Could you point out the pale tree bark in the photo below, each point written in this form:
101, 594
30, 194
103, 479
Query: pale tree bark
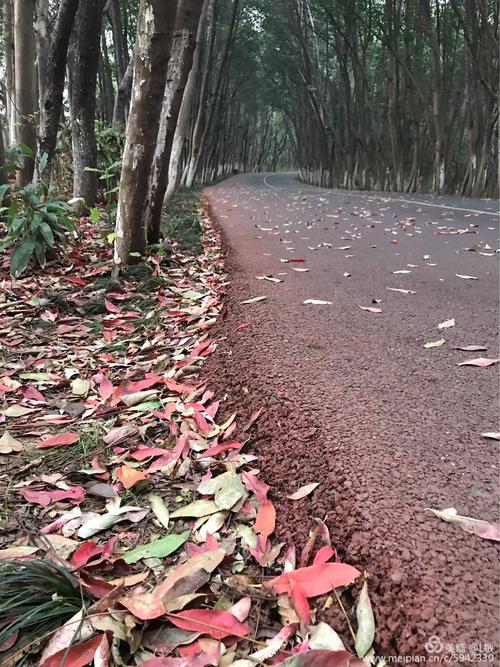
151, 53
52, 101
8, 26
41, 27
186, 110
24, 41
83, 99
119, 39
3, 174
181, 58
122, 99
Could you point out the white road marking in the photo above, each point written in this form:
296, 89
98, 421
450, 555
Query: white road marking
348, 193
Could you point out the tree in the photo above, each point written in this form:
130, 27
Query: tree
152, 49
83, 99
52, 100
181, 58
26, 107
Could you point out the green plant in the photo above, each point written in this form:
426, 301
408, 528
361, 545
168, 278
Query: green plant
37, 596
182, 220
36, 224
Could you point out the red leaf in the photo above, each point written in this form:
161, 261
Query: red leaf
316, 579
266, 519
59, 440
215, 450
217, 624
296, 259
110, 307
105, 389
147, 452
77, 656
255, 485
44, 498
84, 553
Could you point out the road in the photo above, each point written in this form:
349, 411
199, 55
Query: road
353, 400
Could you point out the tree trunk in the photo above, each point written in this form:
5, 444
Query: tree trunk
83, 99
41, 27
122, 99
51, 104
152, 49
181, 58
119, 39
8, 37
24, 39
183, 122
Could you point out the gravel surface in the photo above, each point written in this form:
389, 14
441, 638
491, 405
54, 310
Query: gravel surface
353, 400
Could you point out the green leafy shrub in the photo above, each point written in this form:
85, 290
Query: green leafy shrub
182, 220
36, 225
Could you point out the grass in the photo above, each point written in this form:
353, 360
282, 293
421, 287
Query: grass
182, 220
37, 596
73, 457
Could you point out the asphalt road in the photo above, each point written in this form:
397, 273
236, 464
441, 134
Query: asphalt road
354, 400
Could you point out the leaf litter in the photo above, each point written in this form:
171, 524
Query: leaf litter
104, 379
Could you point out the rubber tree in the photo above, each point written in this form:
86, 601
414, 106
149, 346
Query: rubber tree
25, 82
52, 101
82, 96
153, 43
181, 59
8, 49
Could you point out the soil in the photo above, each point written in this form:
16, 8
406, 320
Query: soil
353, 400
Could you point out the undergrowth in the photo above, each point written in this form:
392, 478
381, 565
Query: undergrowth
182, 220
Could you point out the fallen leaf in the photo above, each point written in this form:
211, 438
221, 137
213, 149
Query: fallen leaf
157, 549
435, 343
269, 279
253, 418
160, 510
491, 435
9, 444
266, 519
181, 580
226, 488
403, 291
299, 270
196, 509
471, 348
458, 275
80, 387
11, 553
16, 411
447, 324
59, 440
317, 302
77, 655
365, 633
303, 491
129, 477
481, 362
402, 271
322, 636
488, 531
371, 309
218, 624
254, 300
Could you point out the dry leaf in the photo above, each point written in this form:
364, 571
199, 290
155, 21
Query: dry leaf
255, 299
9, 444
488, 531
303, 491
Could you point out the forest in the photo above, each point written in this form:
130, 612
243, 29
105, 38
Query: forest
104, 104
154, 508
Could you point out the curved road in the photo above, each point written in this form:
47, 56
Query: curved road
353, 400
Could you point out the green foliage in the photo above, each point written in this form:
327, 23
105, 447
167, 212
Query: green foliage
182, 220
37, 596
36, 224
